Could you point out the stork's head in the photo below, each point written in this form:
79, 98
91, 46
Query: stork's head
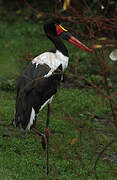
54, 29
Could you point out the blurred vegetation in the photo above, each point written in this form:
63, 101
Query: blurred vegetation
82, 123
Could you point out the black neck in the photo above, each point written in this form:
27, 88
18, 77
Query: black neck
59, 45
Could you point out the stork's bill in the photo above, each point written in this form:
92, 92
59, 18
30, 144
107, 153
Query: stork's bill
61, 31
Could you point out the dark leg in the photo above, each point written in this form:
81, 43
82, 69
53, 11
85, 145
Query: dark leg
48, 119
43, 140
47, 137
37, 132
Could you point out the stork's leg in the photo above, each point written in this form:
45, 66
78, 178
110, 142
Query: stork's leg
37, 132
47, 137
48, 121
43, 140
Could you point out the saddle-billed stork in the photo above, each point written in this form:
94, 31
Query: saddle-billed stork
41, 78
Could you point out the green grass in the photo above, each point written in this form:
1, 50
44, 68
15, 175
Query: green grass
74, 143
78, 131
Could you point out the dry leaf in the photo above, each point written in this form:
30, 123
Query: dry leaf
102, 38
18, 12
66, 4
105, 137
39, 15
74, 141
97, 46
